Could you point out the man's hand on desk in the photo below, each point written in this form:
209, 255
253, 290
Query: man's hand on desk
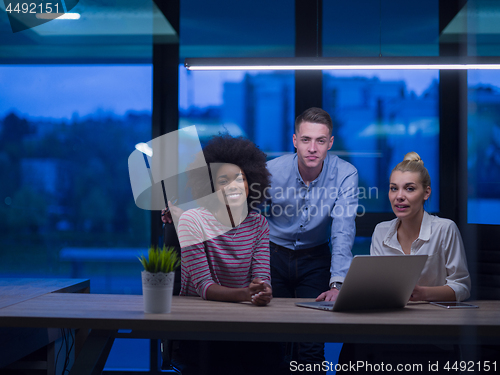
261, 293
330, 295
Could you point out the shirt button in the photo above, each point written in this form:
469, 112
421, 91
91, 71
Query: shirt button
301, 226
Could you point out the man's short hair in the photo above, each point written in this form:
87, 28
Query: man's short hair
315, 116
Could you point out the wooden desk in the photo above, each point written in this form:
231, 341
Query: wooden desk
19, 341
193, 318
15, 290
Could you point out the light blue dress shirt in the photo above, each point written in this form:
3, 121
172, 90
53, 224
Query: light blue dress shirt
301, 216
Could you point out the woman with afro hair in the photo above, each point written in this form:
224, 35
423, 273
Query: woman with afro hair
221, 233
225, 252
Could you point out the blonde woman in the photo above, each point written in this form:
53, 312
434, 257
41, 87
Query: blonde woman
414, 231
445, 276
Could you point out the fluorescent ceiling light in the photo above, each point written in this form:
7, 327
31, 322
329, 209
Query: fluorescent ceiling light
109, 18
345, 63
58, 16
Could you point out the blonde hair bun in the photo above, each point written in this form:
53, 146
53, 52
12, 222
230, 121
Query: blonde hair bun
413, 163
413, 156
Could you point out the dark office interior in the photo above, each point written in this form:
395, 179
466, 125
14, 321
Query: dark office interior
77, 95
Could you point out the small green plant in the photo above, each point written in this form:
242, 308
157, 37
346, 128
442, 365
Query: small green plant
165, 260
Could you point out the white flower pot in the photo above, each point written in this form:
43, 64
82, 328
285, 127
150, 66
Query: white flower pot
157, 290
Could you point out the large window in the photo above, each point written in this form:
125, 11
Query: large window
257, 105
379, 116
483, 159
65, 136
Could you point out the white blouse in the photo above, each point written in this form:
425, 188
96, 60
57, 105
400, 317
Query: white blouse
440, 239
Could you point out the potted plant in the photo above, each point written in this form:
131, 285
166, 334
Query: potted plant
158, 279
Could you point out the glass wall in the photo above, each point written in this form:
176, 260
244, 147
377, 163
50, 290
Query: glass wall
483, 106
257, 105
65, 136
75, 98
379, 116
483, 158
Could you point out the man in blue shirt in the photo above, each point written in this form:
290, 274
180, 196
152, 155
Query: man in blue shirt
311, 206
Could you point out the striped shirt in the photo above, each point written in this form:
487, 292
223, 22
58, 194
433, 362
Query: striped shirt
232, 259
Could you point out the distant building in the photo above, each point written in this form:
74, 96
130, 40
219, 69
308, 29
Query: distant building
484, 143
379, 122
263, 105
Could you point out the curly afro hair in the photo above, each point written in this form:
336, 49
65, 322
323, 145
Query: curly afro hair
239, 151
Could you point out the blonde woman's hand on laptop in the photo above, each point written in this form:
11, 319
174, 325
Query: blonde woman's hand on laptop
329, 295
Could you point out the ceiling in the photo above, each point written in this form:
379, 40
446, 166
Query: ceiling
106, 31
123, 31
477, 25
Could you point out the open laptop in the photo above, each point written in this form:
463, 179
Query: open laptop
376, 282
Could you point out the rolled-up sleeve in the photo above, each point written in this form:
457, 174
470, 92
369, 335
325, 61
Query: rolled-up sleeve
261, 255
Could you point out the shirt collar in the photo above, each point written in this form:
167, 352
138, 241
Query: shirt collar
391, 238
296, 167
